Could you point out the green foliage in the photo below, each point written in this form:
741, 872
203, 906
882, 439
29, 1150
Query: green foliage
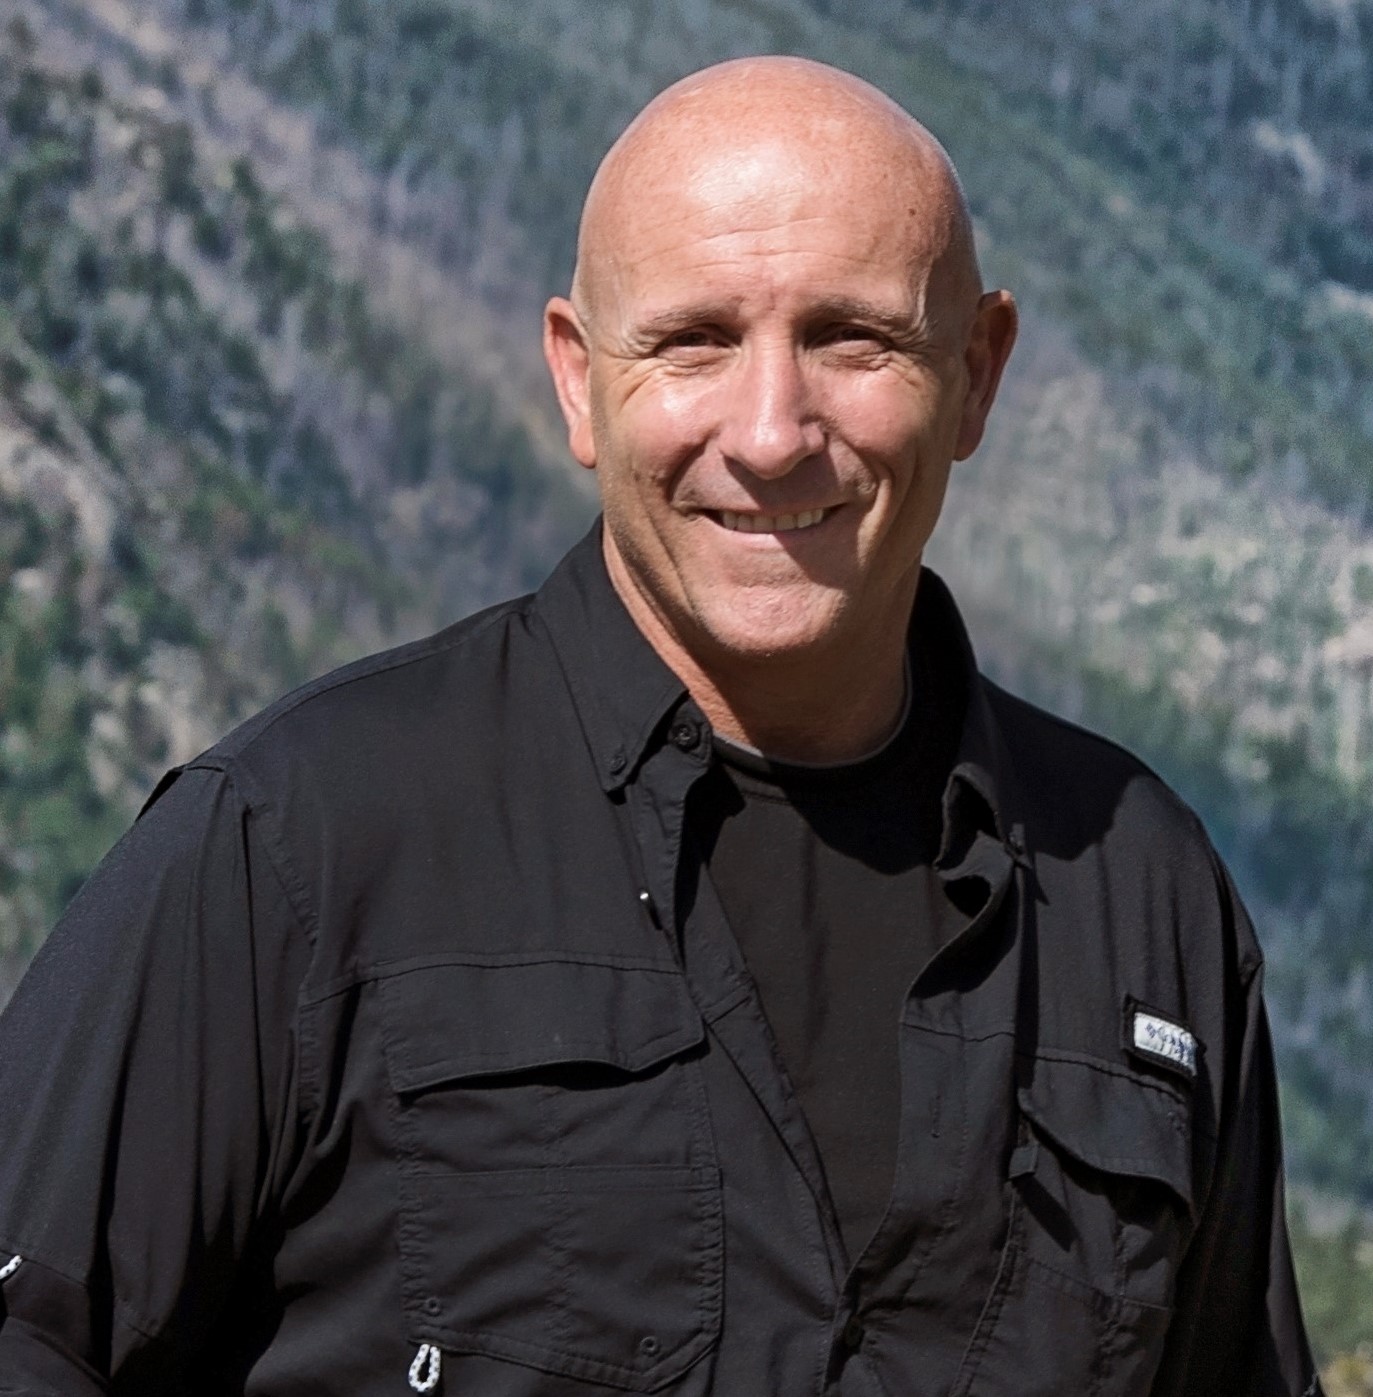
53, 824
1335, 1276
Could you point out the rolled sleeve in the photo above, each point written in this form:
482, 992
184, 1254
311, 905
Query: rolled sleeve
146, 1081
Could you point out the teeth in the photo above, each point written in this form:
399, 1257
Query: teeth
770, 524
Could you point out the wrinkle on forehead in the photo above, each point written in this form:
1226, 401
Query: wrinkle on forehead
792, 136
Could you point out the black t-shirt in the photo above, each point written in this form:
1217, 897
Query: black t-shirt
826, 876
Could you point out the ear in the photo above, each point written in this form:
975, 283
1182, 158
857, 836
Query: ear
567, 350
989, 347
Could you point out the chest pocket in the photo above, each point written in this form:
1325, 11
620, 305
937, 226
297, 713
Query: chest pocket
1100, 1201
560, 1198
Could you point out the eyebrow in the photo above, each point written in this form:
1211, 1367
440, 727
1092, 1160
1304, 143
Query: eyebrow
682, 317
854, 308
884, 317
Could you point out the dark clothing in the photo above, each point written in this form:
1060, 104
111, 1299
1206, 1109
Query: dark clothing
826, 876
404, 1029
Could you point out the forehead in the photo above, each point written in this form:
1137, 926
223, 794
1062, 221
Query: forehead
766, 217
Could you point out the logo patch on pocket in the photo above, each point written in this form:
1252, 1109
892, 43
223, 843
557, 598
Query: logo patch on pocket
1161, 1040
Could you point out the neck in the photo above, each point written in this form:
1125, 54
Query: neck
790, 715
834, 704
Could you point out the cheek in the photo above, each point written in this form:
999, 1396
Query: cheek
657, 429
886, 424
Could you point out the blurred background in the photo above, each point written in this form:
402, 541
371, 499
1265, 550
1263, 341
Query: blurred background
270, 397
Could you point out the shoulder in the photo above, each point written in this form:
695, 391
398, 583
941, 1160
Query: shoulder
356, 748
1080, 787
1114, 844
390, 700
373, 787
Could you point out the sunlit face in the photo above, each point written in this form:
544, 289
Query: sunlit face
775, 386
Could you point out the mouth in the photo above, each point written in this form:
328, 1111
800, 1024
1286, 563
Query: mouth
769, 523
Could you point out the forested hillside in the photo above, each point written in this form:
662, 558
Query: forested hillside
270, 277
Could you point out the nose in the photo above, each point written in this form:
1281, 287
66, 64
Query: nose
770, 425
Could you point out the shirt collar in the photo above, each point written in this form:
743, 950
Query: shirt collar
982, 793
624, 692
622, 688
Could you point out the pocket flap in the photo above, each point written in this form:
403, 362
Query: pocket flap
455, 1020
1113, 1122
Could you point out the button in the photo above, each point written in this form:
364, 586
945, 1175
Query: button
617, 761
853, 1332
433, 1306
649, 1346
687, 736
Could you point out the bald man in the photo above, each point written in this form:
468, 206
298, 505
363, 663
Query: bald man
694, 978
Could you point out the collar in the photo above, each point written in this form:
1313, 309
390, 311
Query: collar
982, 794
622, 688
624, 693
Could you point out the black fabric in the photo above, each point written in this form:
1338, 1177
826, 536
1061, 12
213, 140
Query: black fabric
827, 879
404, 1028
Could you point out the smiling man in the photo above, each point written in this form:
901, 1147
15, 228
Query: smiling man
694, 978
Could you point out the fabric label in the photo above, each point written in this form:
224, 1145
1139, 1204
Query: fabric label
1166, 1040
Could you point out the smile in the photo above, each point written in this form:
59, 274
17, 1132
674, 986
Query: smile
769, 523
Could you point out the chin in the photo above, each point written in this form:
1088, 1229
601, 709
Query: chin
750, 627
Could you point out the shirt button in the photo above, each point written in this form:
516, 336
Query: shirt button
617, 761
433, 1307
649, 1346
853, 1332
686, 736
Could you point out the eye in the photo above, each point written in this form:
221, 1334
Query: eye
692, 346
853, 337
689, 339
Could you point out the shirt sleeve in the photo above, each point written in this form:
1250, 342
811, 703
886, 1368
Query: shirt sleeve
1237, 1324
146, 1097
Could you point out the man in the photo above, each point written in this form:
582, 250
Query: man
694, 978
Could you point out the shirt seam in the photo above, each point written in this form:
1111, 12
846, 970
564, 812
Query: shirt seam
125, 1312
297, 900
283, 869
566, 1046
45, 1340
1076, 1286
460, 634
1081, 1059
371, 971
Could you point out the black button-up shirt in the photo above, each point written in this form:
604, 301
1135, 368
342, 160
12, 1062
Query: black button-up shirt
403, 1040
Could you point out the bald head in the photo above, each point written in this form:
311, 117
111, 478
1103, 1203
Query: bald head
716, 133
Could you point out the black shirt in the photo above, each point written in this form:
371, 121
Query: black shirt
402, 1040
827, 880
